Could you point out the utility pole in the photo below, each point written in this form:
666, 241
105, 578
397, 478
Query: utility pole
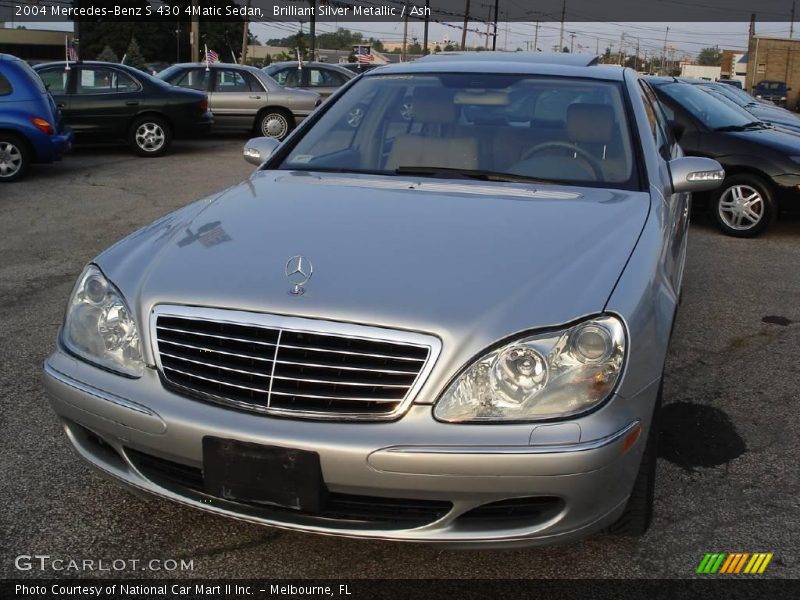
752, 61
791, 21
561, 35
425, 30
494, 39
405, 34
636, 59
622, 48
536, 38
464, 30
664, 56
245, 32
571, 41
312, 28
195, 38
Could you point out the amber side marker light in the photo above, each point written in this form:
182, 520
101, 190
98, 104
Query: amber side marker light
631, 438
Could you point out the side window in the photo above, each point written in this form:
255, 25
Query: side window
102, 80
289, 77
228, 80
324, 78
55, 80
194, 79
5, 86
657, 121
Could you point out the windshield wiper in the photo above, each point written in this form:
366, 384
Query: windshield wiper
750, 125
480, 174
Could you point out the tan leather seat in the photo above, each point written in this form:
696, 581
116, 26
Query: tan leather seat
440, 143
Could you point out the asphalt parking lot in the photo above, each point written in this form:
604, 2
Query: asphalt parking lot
727, 480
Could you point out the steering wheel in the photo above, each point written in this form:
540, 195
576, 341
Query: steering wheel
597, 169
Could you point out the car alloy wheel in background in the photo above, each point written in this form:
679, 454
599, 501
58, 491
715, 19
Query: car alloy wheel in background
150, 136
743, 206
275, 124
12, 159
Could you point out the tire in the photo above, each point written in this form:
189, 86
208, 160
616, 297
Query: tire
638, 513
14, 157
743, 206
275, 123
149, 136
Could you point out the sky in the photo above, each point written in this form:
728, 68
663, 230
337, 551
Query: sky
685, 38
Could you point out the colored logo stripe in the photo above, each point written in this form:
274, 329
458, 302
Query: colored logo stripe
734, 563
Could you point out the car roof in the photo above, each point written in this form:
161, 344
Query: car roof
9, 57
307, 63
549, 58
500, 66
218, 65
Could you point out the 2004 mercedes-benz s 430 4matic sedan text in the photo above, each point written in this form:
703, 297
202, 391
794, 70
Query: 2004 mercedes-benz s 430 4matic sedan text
439, 311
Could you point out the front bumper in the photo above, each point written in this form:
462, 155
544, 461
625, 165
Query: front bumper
151, 440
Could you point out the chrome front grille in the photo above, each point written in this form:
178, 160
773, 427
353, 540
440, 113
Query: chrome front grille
295, 367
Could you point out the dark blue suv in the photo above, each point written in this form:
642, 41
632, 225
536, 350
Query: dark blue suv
30, 124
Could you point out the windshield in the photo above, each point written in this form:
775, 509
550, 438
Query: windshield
474, 125
721, 90
710, 110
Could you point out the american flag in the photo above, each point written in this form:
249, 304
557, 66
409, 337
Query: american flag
71, 54
364, 55
211, 56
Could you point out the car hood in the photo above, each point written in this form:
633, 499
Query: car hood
778, 116
784, 141
471, 262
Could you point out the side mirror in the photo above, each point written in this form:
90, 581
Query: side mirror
678, 129
259, 149
695, 174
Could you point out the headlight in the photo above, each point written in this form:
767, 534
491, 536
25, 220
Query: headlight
758, 96
542, 376
783, 98
99, 326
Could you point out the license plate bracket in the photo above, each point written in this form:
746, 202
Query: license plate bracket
248, 472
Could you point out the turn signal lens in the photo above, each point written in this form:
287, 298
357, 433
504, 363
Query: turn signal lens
42, 125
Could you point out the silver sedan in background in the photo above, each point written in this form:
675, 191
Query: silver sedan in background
443, 325
244, 97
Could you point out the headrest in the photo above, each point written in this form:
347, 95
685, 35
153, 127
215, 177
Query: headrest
593, 123
434, 105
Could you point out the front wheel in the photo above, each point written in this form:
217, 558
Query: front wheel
743, 206
638, 513
275, 123
149, 136
14, 158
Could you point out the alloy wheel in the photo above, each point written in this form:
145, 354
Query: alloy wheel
150, 137
10, 159
741, 207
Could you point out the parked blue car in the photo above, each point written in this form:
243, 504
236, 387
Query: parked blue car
30, 124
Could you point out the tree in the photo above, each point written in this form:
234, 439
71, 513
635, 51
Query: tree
449, 48
134, 56
108, 55
710, 57
565, 49
377, 45
414, 48
437, 48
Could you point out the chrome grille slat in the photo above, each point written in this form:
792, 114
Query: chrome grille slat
290, 366
293, 346
263, 391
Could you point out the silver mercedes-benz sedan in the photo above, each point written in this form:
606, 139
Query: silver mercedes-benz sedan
447, 324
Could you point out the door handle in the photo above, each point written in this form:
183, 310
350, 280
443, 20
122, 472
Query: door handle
132, 103
255, 97
60, 105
